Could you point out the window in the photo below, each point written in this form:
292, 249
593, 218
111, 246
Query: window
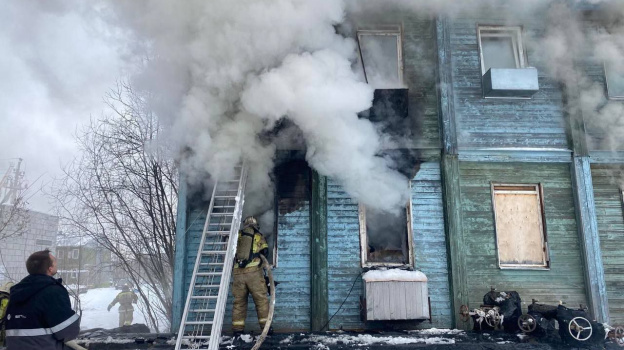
520, 230
615, 81
380, 52
75, 253
385, 238
74, 274
501, 47
59, 254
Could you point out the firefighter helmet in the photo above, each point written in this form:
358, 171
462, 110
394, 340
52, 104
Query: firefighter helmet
250, 221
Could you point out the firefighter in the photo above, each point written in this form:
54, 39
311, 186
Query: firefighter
125, 299
249, 275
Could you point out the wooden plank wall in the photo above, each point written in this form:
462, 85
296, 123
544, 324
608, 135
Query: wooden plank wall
343, 251
430, 241
564, 281
419, 76
608, 199
292, 297
501, 123
429, 249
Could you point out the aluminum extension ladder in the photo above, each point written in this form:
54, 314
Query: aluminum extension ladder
202, 319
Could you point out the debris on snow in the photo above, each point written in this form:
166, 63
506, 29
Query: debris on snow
247, 338
367, 339
287, 340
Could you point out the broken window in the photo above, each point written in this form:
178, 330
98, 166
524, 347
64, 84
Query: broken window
380, 52
520, 232
385, 237
615, 81
501, 47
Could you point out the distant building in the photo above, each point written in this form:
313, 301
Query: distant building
39, 233
88, 264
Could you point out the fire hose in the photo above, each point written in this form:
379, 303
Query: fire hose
267, 325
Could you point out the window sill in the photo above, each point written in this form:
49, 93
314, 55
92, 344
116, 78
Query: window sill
521, 267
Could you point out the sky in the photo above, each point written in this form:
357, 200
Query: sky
222, 72
58, 61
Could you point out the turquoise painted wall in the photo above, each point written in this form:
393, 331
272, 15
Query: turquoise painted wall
429, 249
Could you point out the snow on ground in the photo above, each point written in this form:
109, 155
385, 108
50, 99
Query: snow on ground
367, 339
437, 331
94, 304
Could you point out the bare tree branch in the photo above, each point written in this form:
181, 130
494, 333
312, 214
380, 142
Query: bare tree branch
122, 193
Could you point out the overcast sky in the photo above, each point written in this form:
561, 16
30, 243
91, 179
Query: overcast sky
57, 62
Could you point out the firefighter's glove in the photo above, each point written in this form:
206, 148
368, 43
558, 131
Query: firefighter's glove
109, 307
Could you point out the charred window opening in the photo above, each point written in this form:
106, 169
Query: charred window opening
385, 237
520, 226
292, 184
614, 75
381, 56
501, 47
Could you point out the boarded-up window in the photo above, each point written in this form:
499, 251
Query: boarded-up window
380, 51
385, 237
520, 232
501, 47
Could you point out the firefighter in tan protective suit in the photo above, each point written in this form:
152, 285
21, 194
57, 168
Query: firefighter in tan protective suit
125, 299
249, 275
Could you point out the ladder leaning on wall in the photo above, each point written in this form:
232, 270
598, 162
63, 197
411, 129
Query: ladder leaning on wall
202, 319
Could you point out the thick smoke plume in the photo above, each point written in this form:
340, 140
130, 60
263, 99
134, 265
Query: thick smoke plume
221, 73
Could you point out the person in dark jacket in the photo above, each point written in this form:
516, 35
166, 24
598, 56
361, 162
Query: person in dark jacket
39, 315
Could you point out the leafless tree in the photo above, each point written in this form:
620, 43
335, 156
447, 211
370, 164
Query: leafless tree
13, 202
122, 193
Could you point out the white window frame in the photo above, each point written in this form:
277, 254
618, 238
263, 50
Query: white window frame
75, 253
515, 32
73, 274
606, 74
528, 189
364, 240
392, 30
59, 254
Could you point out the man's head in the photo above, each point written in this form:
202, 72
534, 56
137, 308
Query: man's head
125, 288
41, 263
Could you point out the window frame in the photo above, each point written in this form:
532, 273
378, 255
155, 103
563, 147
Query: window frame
75, 254
364, 240
515, 32
606, 75
539, 191
59, 254
386, 30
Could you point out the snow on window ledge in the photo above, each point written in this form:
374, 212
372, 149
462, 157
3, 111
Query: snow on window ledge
395, 275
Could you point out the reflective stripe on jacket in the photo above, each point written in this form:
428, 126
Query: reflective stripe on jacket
39, 315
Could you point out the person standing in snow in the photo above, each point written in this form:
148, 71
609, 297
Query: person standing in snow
39, 314
249, 276
126, 311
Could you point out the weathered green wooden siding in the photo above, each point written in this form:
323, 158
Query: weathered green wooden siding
501, 123
608, 199
564, 281
429, 249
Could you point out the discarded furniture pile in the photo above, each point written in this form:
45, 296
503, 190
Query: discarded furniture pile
503, 311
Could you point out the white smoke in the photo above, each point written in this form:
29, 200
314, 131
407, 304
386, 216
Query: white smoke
222, 72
